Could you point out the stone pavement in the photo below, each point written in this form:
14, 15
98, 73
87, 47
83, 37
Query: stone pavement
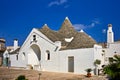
12, 74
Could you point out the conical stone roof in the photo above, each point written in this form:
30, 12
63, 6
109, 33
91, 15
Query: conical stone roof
67, 30
49, 33
80, 39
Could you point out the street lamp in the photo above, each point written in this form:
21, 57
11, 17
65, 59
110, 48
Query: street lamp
39, 75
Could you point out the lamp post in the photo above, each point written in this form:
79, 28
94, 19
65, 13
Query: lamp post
39, 76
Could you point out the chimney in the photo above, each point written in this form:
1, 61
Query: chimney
110, 34
15, 44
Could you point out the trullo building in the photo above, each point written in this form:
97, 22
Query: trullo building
65, 50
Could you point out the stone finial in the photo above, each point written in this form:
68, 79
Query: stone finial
109, 25
67, 18
45, 24
81, 30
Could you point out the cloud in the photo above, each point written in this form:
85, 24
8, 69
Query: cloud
96, 21
66, 6
62, 1
79, 26
92, 25
104, 31
57, 2
83, 26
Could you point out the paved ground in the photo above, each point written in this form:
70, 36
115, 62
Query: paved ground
12, 74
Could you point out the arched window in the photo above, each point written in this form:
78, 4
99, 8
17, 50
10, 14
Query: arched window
23, 56
48, 54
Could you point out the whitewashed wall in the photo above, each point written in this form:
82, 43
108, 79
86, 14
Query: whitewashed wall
14, 61
98, 54
83, 58
112, 48
43, 43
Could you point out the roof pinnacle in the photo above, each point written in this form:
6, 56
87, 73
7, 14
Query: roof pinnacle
45, 24
81, 30
67, 18
109, 25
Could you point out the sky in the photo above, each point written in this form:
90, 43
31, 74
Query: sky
19, 17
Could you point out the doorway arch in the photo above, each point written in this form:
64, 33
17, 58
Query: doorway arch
34, 55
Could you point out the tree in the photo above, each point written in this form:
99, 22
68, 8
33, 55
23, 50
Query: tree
96, 63
113, 68
21, 77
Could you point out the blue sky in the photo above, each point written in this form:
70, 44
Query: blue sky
18, 17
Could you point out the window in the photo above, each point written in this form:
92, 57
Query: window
48, 54
56, 48
24, 53
23, 56
17, 57
48, 57
34, 37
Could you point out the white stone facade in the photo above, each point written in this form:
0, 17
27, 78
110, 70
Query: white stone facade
35, 53
43, 54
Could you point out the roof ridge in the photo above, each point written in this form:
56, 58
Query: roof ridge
45, 26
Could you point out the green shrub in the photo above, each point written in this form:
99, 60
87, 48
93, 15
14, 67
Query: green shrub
21, 77
97, 62
113, 68
88, 70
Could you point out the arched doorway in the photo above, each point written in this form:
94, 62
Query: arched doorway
34, 56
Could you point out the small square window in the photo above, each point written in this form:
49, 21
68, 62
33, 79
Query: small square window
17, 57
34, 37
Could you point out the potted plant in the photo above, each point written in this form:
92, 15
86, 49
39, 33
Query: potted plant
89, 72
